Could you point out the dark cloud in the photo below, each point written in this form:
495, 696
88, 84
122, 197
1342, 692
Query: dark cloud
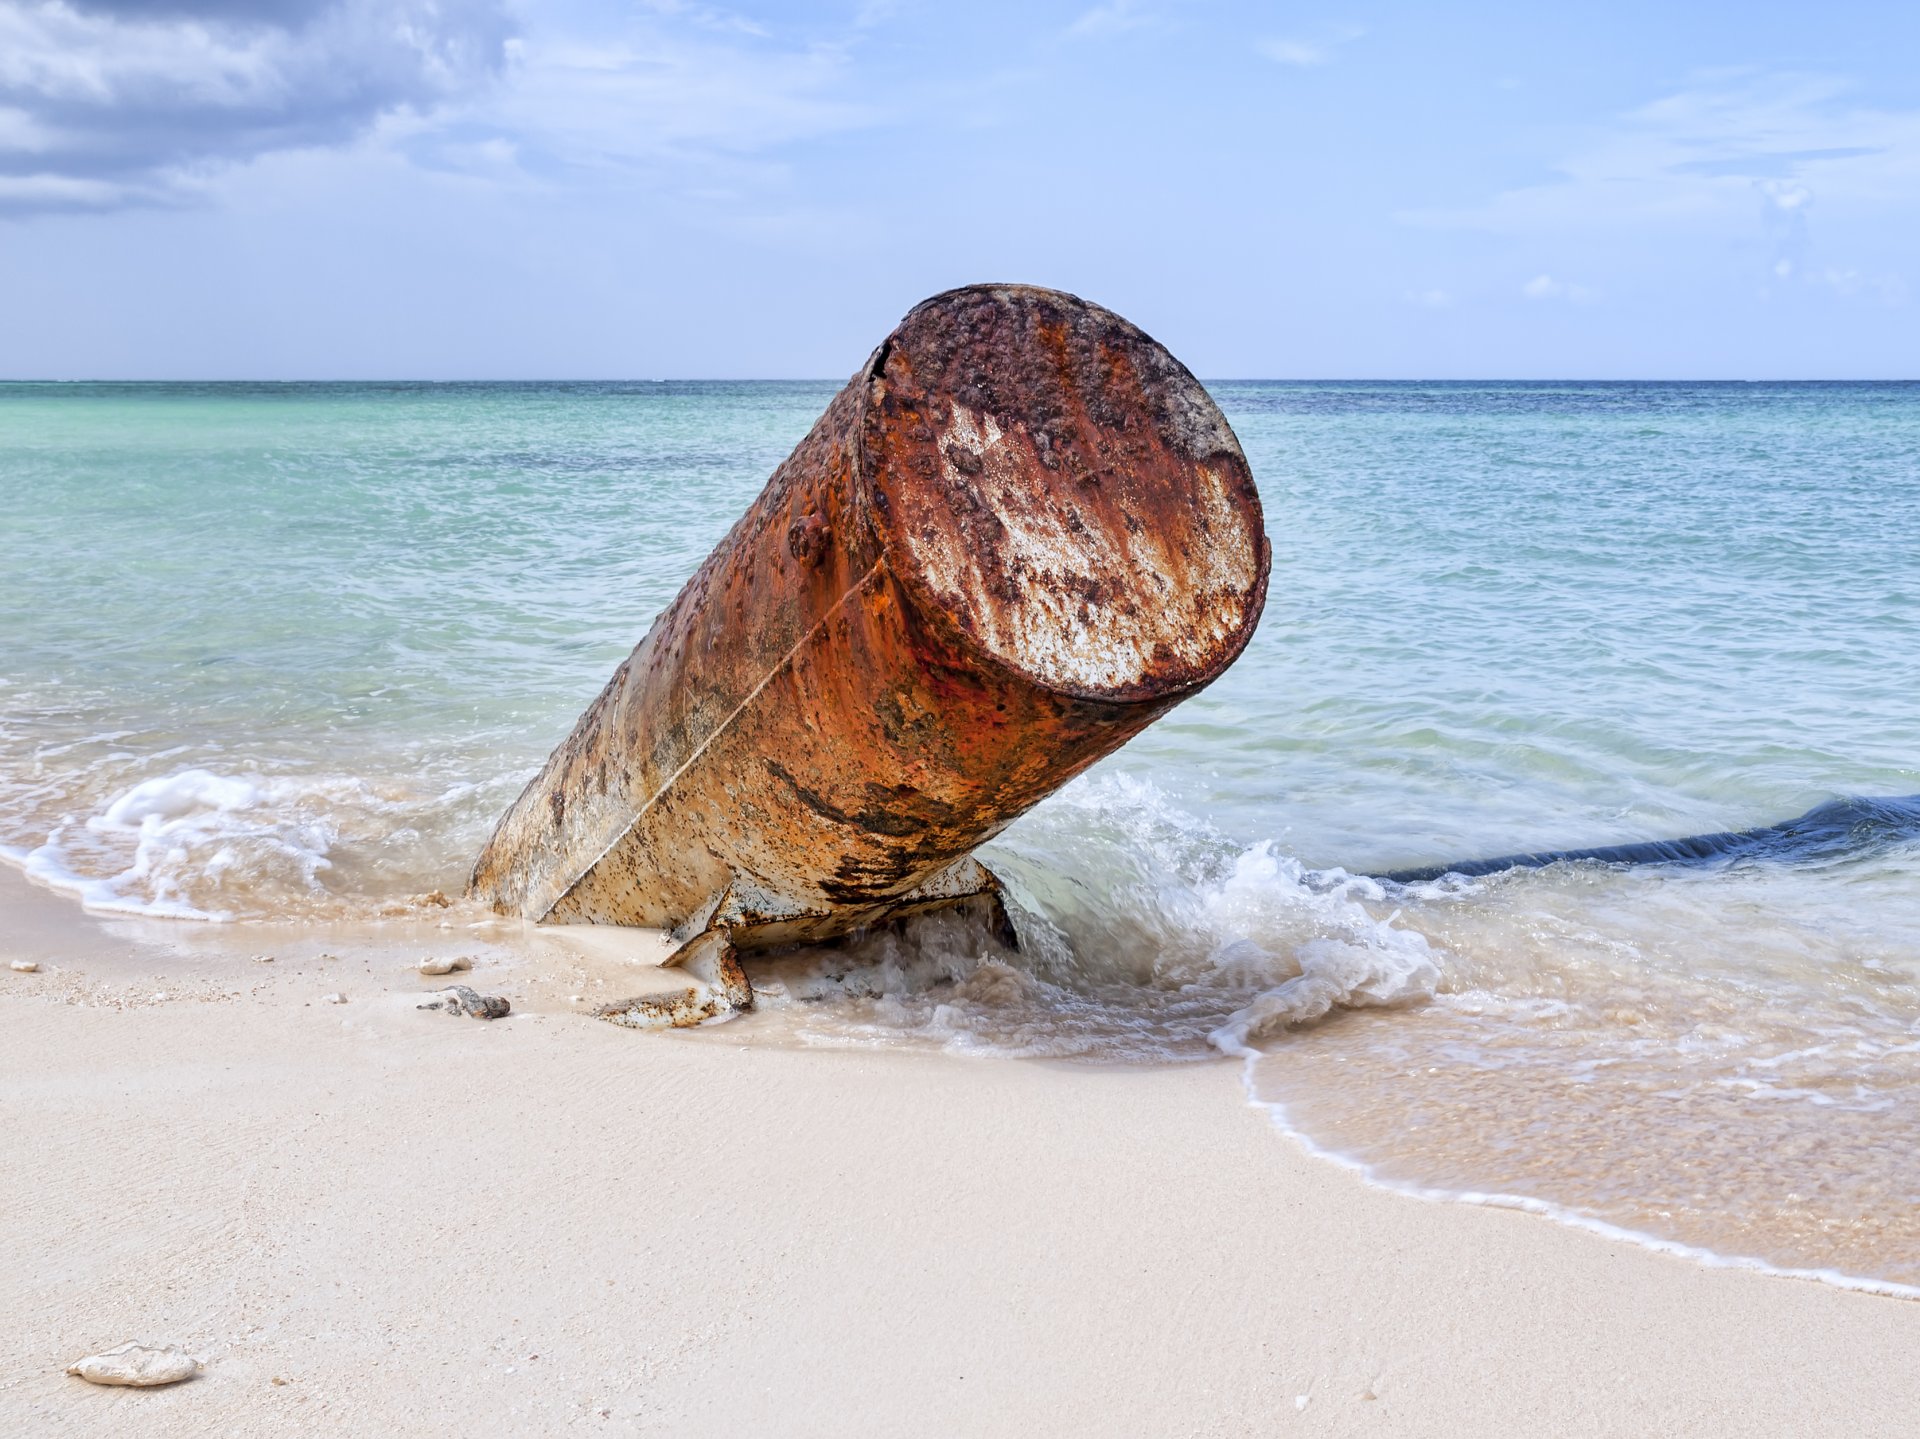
105, 103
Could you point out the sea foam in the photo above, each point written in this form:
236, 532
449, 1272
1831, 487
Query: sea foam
1144, 935
200, 844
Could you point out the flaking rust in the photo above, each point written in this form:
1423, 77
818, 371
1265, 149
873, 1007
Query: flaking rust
1020, 534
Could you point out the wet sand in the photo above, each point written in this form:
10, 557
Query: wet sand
432, 1226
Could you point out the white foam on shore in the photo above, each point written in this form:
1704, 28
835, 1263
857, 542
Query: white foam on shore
1277, 1114
48, 864
1145, 936
201, 845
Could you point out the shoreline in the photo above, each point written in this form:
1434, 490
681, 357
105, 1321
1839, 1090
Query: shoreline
1562, 1214
391, 1211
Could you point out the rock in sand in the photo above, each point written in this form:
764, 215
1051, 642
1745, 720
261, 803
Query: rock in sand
138, 1366
462, 1000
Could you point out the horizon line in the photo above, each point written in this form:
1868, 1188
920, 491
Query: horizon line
817, 380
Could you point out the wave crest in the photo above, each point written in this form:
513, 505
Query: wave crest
1144, 935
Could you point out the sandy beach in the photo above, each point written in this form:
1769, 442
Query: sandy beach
1265, 657
371, 1219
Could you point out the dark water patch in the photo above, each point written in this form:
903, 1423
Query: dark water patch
1848, 828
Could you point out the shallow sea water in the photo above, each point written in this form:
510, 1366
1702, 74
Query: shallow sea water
286, 651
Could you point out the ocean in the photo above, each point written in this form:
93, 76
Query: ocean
284, 652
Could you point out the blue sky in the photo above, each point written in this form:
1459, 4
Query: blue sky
482, 188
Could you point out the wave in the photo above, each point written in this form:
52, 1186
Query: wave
1144, 936
1851, 827
1566, 1214
1148, 936
201, 845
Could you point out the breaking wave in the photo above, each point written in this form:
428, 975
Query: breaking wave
197, 844
1145, 935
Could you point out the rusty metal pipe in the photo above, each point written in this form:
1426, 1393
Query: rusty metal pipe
1021, 533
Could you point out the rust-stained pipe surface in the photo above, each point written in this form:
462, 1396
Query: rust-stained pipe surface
1019, 535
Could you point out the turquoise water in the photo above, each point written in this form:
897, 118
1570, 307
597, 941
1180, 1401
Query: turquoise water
290, 649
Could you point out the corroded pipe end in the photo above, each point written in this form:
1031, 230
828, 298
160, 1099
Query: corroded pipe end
1060, 492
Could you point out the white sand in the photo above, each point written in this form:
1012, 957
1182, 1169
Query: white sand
437, 1226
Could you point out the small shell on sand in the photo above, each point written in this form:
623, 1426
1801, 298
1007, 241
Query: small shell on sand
26, 966
263, 959
335, 998
138, 1366
446, 966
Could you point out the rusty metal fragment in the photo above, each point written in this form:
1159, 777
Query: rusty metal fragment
723, 989
1018, 536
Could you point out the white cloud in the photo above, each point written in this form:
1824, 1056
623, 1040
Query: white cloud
658, 96
1735, 167
1430, 299
707, 17
1848, 283
20, 194
110, 102
1294, 52
1545, 287
1695, 158
1112, 18
1307, 52
1786, 194
144, 103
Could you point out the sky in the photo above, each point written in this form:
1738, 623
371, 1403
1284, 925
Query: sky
489, 189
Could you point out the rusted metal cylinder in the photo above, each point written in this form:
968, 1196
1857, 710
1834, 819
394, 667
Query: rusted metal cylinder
1021, 533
